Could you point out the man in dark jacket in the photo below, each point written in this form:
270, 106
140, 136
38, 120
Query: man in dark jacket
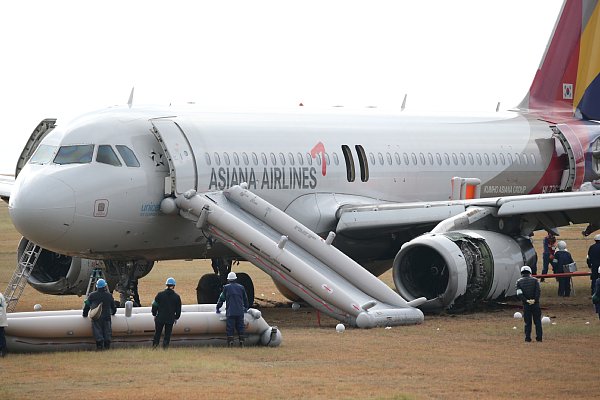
166, 309
593, 261
101, 327
528, 291
562, 258
235, 296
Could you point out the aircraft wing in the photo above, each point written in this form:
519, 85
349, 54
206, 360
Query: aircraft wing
534, 212
6, 184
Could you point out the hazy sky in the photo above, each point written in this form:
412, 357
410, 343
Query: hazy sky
64, 58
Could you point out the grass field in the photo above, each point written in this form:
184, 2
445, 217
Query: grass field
474, 356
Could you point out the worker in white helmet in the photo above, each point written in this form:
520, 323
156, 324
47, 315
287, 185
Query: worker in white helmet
235, 296
528, 291
562, 258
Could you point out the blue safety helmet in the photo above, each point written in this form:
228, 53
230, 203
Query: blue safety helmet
170, 282
101, 283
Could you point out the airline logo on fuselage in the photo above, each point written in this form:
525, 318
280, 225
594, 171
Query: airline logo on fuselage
270, 177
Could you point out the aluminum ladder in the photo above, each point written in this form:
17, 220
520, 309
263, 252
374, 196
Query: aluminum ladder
96, 274
17, 283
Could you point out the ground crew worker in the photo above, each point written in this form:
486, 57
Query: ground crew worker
562, 258
528, 291
548, 254
597, 295
3, 324
166, 309
235, 296
593, 261
101, 327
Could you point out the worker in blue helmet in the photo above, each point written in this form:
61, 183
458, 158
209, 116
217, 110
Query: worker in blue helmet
234, 295
103, 306
166, 309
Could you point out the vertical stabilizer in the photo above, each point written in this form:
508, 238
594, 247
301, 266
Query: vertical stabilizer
567, 81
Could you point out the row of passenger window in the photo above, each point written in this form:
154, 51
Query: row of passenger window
389, 159
83, 154
272, 159
453, 159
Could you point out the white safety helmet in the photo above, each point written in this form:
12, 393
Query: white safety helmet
231, 276
525, 270
599, 270
562, 245
597, 238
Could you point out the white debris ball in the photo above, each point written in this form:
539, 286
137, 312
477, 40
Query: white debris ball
518, 315
37, 307
587, 322
295, 306
339, 328
545, 320
514, 327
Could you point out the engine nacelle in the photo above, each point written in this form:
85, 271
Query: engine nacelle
457, 269
58, 274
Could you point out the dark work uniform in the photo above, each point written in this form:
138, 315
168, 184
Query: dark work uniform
528, 288
594, 262
102, 327
166, 309
597, 290
549, 242
562, 258
237, 305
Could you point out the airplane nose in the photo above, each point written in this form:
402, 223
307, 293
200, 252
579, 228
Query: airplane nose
42, 208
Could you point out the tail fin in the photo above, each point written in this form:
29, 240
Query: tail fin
567, 81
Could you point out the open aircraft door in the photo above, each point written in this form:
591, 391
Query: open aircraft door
180, 156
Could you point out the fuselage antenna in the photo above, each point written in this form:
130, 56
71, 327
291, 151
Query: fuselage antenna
404, 102
130, 101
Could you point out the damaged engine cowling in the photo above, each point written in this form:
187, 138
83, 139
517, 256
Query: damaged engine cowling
65, 275
459, 268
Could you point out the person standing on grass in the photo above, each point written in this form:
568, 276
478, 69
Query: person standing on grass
528, 291
3, 324
101, 327
596, 296
166, 309
562, 258
235, 296
593, 261
548, 254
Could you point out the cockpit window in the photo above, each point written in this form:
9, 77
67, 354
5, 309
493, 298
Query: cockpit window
106, 155
43, 154
128, 156
77, 154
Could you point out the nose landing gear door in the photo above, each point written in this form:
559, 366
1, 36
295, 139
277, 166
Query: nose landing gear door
180, 156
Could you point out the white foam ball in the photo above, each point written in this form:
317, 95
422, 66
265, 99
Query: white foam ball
514, 327
545, 320
587, 322
518, 315
295, 306
37, 307
339, 328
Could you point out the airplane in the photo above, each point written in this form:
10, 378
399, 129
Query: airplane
318, 198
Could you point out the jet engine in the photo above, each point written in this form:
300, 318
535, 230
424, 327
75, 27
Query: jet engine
59, 274
457, 269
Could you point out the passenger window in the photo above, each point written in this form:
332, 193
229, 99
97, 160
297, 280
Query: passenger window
430, 157
245, 159
510, 160
217, 159
226, 158
486, 158
372, 158
438, 158
336, 160
478, 156
273, 159
43, 154
77, 154
471, 160
422, 158
308, 159
207, 157
263, 157
327, 158
447, 158
129, 156
517, 158
463, 160
397, 157
502, 159
389, 158
380, 156
414, 158
318, 158
254, 159
236, 159
494, 159
106, 155
300, 159
532, 158
291, 158
454, 158
524, 159
282, 158
405, 156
